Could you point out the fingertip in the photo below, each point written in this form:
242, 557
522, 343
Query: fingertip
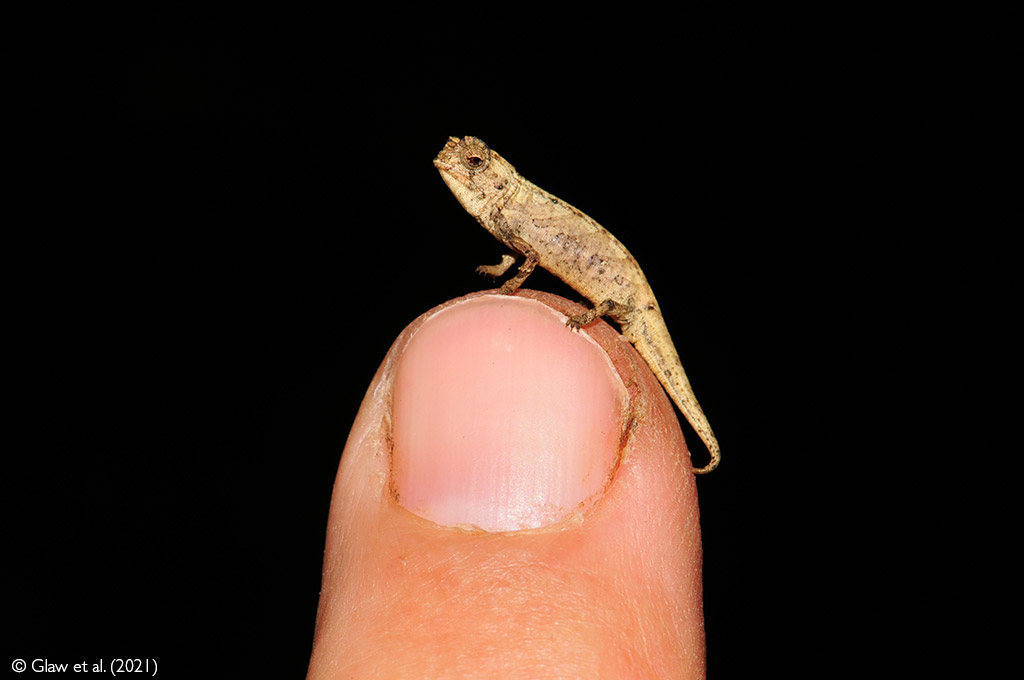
481, 416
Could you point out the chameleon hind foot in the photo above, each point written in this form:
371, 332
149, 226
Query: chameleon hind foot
588, 317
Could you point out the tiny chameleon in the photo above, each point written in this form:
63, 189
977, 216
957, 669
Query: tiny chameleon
549, 232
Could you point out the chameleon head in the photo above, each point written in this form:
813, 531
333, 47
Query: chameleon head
475, 174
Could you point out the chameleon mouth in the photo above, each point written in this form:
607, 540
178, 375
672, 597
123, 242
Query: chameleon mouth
447, 155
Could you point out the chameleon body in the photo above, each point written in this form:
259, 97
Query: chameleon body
562, 239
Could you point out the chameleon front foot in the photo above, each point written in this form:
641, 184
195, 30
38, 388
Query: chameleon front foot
496, 270
525, 269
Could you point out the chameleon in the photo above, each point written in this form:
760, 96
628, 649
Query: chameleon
562, 239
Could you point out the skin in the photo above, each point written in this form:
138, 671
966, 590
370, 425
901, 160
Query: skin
563, 240
614, 592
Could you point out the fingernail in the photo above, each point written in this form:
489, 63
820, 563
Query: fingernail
503, 418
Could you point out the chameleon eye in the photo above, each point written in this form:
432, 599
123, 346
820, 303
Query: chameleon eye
475, 157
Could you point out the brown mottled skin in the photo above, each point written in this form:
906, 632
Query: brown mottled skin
553, 234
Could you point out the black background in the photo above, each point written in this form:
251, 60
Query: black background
222, 234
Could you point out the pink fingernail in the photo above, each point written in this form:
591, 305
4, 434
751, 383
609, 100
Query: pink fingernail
503, 419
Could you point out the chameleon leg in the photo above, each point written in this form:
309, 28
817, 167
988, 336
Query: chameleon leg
525, 269
605, 308
496, 270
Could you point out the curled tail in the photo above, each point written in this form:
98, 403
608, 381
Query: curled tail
652, 341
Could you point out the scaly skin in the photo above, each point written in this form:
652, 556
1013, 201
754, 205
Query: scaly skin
562, 239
